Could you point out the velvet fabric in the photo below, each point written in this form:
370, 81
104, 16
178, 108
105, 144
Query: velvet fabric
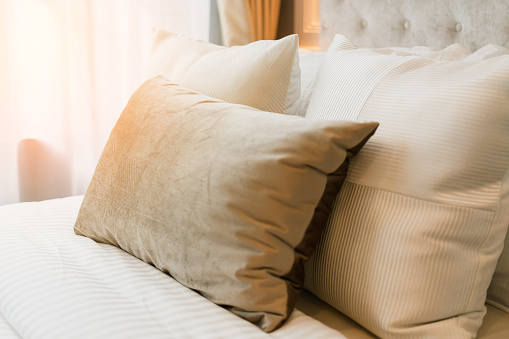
218, 195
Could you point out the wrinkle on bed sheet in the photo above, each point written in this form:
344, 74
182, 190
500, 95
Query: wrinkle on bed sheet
6, 331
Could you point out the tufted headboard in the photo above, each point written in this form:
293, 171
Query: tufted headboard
406, 23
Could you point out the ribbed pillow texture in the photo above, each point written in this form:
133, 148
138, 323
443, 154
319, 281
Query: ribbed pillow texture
498, 292
264, 74
419, 224
220, 196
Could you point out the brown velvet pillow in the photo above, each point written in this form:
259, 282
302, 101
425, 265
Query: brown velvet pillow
218, 195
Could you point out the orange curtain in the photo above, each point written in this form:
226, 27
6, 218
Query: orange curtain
263, 18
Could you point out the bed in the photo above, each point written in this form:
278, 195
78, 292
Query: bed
383, 213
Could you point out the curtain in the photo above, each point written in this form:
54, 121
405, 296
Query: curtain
234, 19
245, 21
263, 18
67, 68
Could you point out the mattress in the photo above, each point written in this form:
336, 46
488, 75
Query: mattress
55, 284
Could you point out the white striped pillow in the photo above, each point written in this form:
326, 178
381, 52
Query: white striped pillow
498, 292
264, 74
414, 238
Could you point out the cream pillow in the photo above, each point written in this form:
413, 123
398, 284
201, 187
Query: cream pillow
417, 229
309, 62
263, 74
498, 293
218, 195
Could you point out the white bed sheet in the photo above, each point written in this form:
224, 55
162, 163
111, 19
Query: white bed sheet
55, 284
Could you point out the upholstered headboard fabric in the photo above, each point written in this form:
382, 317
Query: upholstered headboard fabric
406, 23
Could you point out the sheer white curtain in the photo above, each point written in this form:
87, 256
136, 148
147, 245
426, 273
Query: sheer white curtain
67, 68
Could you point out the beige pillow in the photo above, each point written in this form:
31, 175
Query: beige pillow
263, 74
414, 237
498, 292
218, 195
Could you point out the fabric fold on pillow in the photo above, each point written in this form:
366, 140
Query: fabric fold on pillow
220, 196
264, 74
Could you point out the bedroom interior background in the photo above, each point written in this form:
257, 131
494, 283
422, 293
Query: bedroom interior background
69, 67
29, 218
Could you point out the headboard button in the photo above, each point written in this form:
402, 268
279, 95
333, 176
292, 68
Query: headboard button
459, 27
406, 24
364, 23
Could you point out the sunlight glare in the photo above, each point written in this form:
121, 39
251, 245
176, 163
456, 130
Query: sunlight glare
34, 62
